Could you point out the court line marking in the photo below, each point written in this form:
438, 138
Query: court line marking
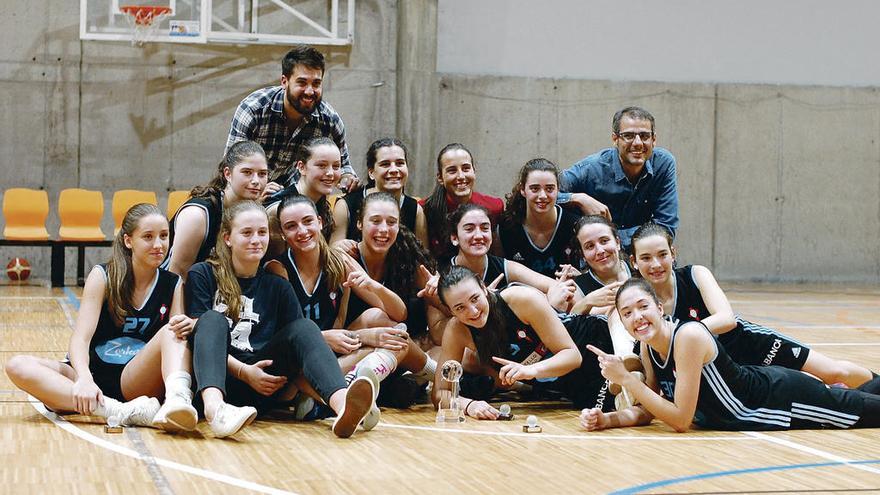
148, 459
249, 485
100, 442
67, 314
585, 436
28, 298
809, 450
843, 344
733, 472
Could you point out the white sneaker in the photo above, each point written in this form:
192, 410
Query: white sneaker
176, 414
302, 405
229, 420
359, 399
137, 412
372, 418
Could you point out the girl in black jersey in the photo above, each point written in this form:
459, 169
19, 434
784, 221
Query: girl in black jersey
691, 293
391, 255
518, 338
599, 246
251, 339
129, 341
320, 168
471, 234
241, 175
388, 172
534, 230
324, 279
691, 380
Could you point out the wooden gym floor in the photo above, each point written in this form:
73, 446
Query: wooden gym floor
406, 453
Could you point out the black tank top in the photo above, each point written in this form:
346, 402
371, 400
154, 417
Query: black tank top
588, 281
117, 344
736, 397
355, 200
495, 265
521, 342
519, 247
213, 208
321, 305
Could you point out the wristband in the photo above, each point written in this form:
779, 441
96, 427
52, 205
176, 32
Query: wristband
467, 406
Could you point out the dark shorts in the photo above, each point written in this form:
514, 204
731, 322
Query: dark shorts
753, 344
108, 377
585, 386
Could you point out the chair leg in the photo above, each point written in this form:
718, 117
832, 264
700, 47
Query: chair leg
80, 265
57, 265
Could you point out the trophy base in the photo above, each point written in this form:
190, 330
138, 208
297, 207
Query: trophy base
450, 416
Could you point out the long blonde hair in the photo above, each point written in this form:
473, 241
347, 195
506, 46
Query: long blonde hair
221, 259
120, 273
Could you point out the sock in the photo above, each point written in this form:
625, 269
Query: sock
427, 372
179, 384
111, 407
381, 361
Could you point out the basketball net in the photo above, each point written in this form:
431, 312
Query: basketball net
144, 21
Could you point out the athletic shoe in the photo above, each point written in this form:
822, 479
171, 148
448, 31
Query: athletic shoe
229, 420
302, 406
176, 414
359, 398
624, 400
372, 418
137, 412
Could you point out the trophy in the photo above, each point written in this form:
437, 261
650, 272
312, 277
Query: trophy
448, 409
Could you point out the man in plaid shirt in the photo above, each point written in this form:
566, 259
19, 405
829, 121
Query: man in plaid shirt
282, 118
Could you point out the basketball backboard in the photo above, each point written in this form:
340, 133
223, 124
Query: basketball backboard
281, 22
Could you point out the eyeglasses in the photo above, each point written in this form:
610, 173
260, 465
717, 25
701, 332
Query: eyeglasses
631, 136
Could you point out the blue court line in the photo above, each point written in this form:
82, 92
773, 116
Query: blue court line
735, 472
71, 298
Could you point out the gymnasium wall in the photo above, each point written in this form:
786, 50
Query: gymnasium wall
773, 118
772, 109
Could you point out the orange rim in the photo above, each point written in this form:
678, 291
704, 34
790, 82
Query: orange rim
144, 14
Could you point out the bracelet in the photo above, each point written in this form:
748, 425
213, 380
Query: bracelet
467, 406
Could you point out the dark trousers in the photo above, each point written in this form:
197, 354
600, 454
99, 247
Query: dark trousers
296, 348
870, 417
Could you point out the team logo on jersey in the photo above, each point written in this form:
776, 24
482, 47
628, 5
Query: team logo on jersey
692, 312
162, 311
240, 332
518, 257
521, 334
119, 350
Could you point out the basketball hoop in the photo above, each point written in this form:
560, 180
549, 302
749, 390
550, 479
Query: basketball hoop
144, 20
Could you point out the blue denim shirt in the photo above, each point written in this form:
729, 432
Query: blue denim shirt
654, 196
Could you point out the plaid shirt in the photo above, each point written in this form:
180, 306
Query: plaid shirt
260, 117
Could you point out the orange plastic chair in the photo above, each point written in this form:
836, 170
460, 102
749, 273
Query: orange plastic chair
25, 211
125, 199
175, 200
80, 211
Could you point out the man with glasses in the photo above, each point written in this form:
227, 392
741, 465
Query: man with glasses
630, 183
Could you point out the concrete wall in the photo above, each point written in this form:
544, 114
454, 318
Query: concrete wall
107, 116
813, 42
776, 182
